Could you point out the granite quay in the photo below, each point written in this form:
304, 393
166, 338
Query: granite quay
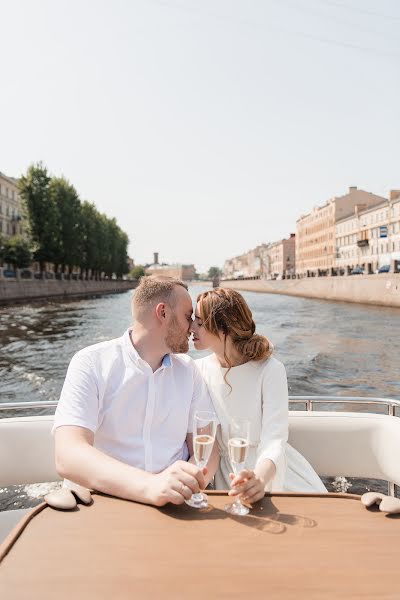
380, 290
23, 291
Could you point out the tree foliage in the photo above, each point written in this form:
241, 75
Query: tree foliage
66, 204
16, 251
35, 191
214, 272
137, 272
70, 233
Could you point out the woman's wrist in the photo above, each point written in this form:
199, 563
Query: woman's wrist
265, 471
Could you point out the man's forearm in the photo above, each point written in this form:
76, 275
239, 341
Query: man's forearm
93, 469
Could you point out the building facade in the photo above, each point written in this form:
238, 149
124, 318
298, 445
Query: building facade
370, 238
267, 261
10, 207
279, 259
249, 264
184, 272
316, 251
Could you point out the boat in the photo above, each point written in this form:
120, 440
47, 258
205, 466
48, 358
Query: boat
333, 532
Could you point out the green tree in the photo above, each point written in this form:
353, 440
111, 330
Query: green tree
68, 227
214, 272
42, 212
137, 272
121, 256
88, 248
67, 232
16, 251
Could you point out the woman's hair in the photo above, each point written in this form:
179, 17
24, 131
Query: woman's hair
226, 311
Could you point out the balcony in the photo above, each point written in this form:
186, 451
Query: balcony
363, 240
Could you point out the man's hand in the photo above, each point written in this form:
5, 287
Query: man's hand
176, 483
247, 485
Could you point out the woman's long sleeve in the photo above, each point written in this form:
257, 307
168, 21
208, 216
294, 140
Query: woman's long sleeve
274, 431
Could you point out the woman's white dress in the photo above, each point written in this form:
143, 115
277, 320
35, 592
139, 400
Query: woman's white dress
260, 394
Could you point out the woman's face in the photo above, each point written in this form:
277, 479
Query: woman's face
202, 338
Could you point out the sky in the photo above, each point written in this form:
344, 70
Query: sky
204, 127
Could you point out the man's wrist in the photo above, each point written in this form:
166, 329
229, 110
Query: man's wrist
145, 493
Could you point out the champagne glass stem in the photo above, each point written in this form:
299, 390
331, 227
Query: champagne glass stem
197, 497
238, 504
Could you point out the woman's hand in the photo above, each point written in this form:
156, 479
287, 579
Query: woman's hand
247, 485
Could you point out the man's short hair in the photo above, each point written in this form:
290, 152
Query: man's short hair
153, 289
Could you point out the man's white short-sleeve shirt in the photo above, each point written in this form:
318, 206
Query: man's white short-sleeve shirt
137, 416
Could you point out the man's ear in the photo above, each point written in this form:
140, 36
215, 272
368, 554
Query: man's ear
160, 311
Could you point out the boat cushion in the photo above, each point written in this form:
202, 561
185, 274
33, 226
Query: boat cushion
9, 519
335, 443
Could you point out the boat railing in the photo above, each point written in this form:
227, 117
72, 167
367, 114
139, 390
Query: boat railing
308, 401
27, 405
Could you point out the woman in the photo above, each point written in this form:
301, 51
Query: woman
245, 380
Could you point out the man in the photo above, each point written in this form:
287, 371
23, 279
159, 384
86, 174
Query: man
123, 425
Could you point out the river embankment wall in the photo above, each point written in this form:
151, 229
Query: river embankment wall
380, 289
27, 290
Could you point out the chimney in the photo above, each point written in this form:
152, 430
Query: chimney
352, 188
393, 194
155, 258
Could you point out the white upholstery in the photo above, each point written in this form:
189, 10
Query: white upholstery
349, 444
335, 443
26, 451
9, 519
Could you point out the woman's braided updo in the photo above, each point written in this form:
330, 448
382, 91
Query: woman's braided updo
225, 310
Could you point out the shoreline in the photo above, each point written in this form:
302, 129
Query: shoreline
28, 291
376, 290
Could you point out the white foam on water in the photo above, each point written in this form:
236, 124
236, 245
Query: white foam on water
38, 490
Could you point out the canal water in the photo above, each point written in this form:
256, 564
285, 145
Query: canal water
328, 348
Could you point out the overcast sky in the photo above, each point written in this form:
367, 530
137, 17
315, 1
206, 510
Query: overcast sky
205, 127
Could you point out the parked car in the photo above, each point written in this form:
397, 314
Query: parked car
9, 273
357, 271
384, 269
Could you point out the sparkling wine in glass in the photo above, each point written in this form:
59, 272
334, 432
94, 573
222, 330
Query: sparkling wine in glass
204, 429
238, 445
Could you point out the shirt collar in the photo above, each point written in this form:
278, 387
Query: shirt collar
135, 356
166, 361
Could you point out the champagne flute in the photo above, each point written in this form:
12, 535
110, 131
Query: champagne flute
238, 445
204, 429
